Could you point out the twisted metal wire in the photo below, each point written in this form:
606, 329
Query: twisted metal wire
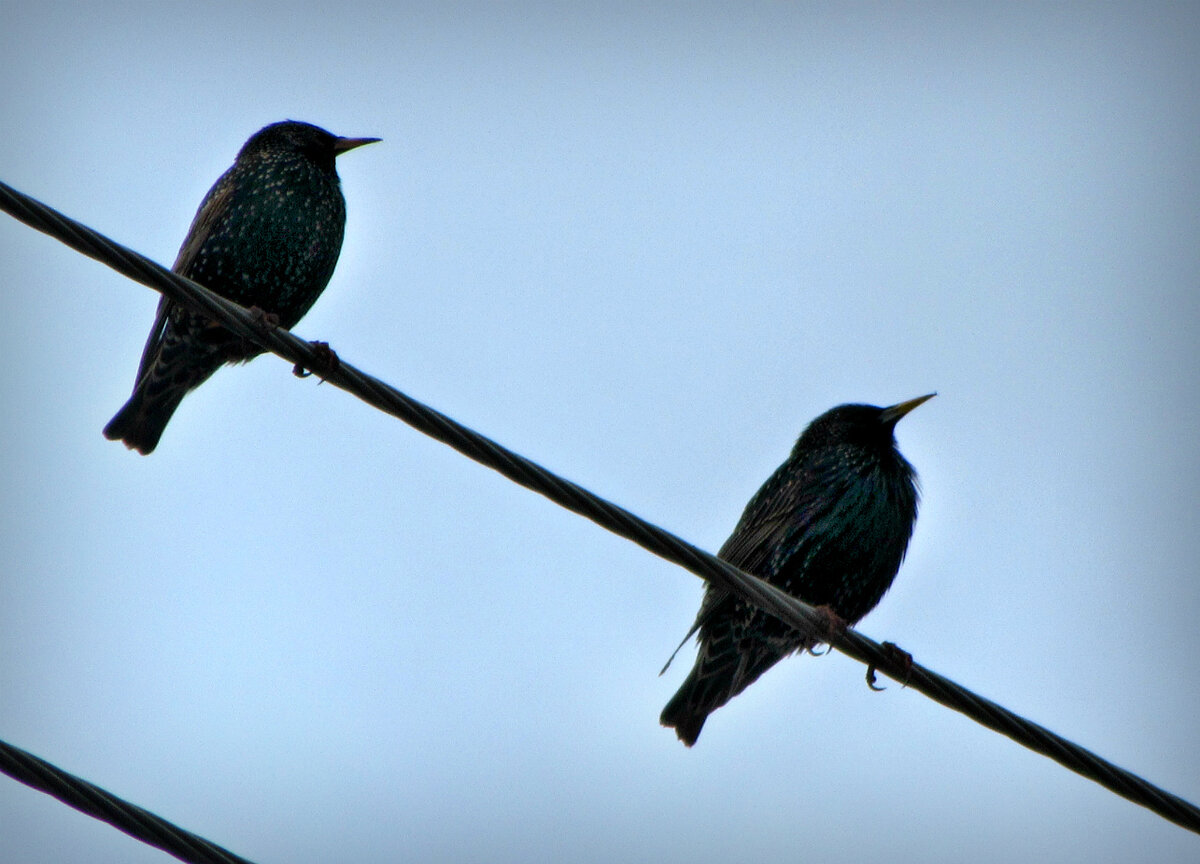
94, 801
604, 513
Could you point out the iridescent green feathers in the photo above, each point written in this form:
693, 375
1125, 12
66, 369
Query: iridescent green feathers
830, 527
267, 235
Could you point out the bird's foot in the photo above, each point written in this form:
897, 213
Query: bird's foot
264, 319
831, 627
897, 657
832, 624
326, 362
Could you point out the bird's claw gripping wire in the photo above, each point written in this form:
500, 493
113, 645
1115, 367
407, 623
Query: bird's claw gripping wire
832, 626
262, 318
898, 658
326, 362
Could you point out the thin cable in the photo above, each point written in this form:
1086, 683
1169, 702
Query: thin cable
94, 801
604, 513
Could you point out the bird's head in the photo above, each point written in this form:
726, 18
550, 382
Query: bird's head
866, 425
293, 136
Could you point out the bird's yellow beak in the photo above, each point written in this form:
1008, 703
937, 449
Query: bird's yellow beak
341, 145
895, 412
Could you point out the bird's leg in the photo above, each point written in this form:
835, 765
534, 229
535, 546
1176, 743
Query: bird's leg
901, 659
896, 656
264, 319
327, 362
245, 349
832, 626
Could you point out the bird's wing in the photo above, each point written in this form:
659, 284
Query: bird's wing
212, 210
773, 532
776, 531
781, 509
154, 340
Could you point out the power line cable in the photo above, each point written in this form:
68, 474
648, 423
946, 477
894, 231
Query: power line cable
606, 514
94, 801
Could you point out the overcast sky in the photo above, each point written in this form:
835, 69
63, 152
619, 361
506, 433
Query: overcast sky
644, 248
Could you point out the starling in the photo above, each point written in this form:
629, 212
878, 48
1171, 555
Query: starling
830, 527
267, 235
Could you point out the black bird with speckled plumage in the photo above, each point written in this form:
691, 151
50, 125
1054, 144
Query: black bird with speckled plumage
830, 527
267, 235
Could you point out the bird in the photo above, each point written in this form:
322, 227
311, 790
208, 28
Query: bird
831, 527
267, 235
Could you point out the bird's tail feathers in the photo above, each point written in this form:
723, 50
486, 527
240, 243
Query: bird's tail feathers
178, 365
141, 421
685, 713
725, 666
679, 648
714, 680
712, 602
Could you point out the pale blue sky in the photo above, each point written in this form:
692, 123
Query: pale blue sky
644, 248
